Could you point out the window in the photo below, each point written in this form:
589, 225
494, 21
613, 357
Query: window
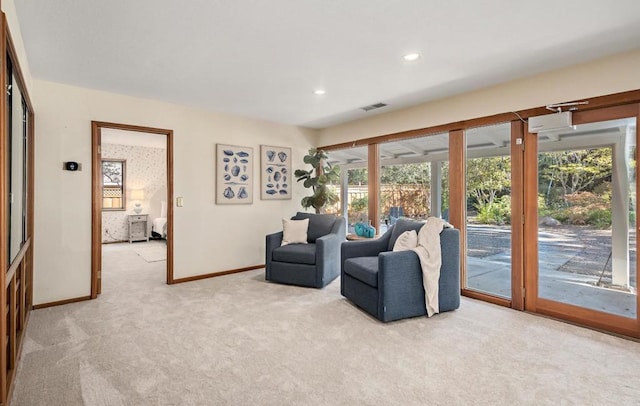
113, 178
413, 179
352, 189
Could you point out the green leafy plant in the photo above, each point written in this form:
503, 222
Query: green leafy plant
321, 174
497, 213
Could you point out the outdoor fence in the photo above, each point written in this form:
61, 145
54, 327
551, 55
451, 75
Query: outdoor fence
413, 199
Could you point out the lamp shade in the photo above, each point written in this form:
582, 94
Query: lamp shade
137, 194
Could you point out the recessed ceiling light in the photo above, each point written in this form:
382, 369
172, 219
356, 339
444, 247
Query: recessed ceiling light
411, 57
319, 92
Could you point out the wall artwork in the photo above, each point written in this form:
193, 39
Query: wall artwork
275, 173
234, 174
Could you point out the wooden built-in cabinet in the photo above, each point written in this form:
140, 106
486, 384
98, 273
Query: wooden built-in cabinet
16, 211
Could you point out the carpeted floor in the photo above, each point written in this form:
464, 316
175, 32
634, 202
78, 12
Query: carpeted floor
238, 340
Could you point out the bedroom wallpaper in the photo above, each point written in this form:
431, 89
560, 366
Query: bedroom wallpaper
146, 169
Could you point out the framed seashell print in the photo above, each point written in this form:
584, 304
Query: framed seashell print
234, 174
275, 173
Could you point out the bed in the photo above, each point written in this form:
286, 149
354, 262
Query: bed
159, 224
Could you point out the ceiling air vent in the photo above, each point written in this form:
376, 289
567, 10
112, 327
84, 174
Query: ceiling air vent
373, 106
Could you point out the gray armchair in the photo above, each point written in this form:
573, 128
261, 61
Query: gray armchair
314, 264
387, 284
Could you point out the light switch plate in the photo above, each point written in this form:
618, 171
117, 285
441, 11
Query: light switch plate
179, 201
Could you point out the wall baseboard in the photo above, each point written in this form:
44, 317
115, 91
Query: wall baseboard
214, 274
114, 242
61, 302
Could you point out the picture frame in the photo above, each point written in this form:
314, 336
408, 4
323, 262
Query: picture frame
275, 173
234, 174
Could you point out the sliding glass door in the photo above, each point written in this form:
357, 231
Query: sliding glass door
488, 210
548, 221
584, 265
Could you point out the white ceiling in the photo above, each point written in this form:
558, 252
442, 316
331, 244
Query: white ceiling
263, 59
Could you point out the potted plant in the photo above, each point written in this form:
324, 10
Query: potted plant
318, 178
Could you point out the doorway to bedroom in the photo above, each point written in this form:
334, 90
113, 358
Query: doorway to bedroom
132, 217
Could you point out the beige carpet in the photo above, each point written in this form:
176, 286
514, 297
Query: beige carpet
238, 340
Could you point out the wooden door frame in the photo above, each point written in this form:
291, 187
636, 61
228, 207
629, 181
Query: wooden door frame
564, 311
96, 197
458, 209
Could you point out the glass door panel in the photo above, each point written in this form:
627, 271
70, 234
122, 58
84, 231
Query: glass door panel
357, 198
587, 217
353, 187
488, 184
413, 179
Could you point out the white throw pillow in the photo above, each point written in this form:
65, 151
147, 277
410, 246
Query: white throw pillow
406, 241
294, 231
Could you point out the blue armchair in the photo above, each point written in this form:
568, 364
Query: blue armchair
314, 264
387, 284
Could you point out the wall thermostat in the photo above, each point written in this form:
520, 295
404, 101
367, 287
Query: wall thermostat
71, 166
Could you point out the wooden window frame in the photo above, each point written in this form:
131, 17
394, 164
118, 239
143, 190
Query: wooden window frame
123, 187
521, 175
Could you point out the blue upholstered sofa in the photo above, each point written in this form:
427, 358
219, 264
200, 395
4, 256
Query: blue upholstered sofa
314, 264
387, 284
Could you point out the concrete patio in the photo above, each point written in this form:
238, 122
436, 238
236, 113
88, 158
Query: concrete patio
568, 272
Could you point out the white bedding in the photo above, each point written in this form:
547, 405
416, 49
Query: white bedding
159, 225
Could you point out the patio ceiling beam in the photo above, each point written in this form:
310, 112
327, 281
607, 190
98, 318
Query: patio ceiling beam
496, 141
356, 154
413, 148
385, 153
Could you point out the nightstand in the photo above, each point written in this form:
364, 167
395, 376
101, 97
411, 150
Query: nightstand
138, 227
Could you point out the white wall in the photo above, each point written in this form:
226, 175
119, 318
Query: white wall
615, 74
208, 237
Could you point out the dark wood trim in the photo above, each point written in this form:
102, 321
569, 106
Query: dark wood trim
13, 322
130, 127
457, 195
17, 262
575, 314
17, 70
96, 209
632, 96
62, 302
524, 193
517, 215
373, 183
4, 254
530, 228
214, 274
637, 220
115, 242
123, 204
17, 281
588, 317
31, 157
474, 294
600, 330
605, 114
96, 202
170, 226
